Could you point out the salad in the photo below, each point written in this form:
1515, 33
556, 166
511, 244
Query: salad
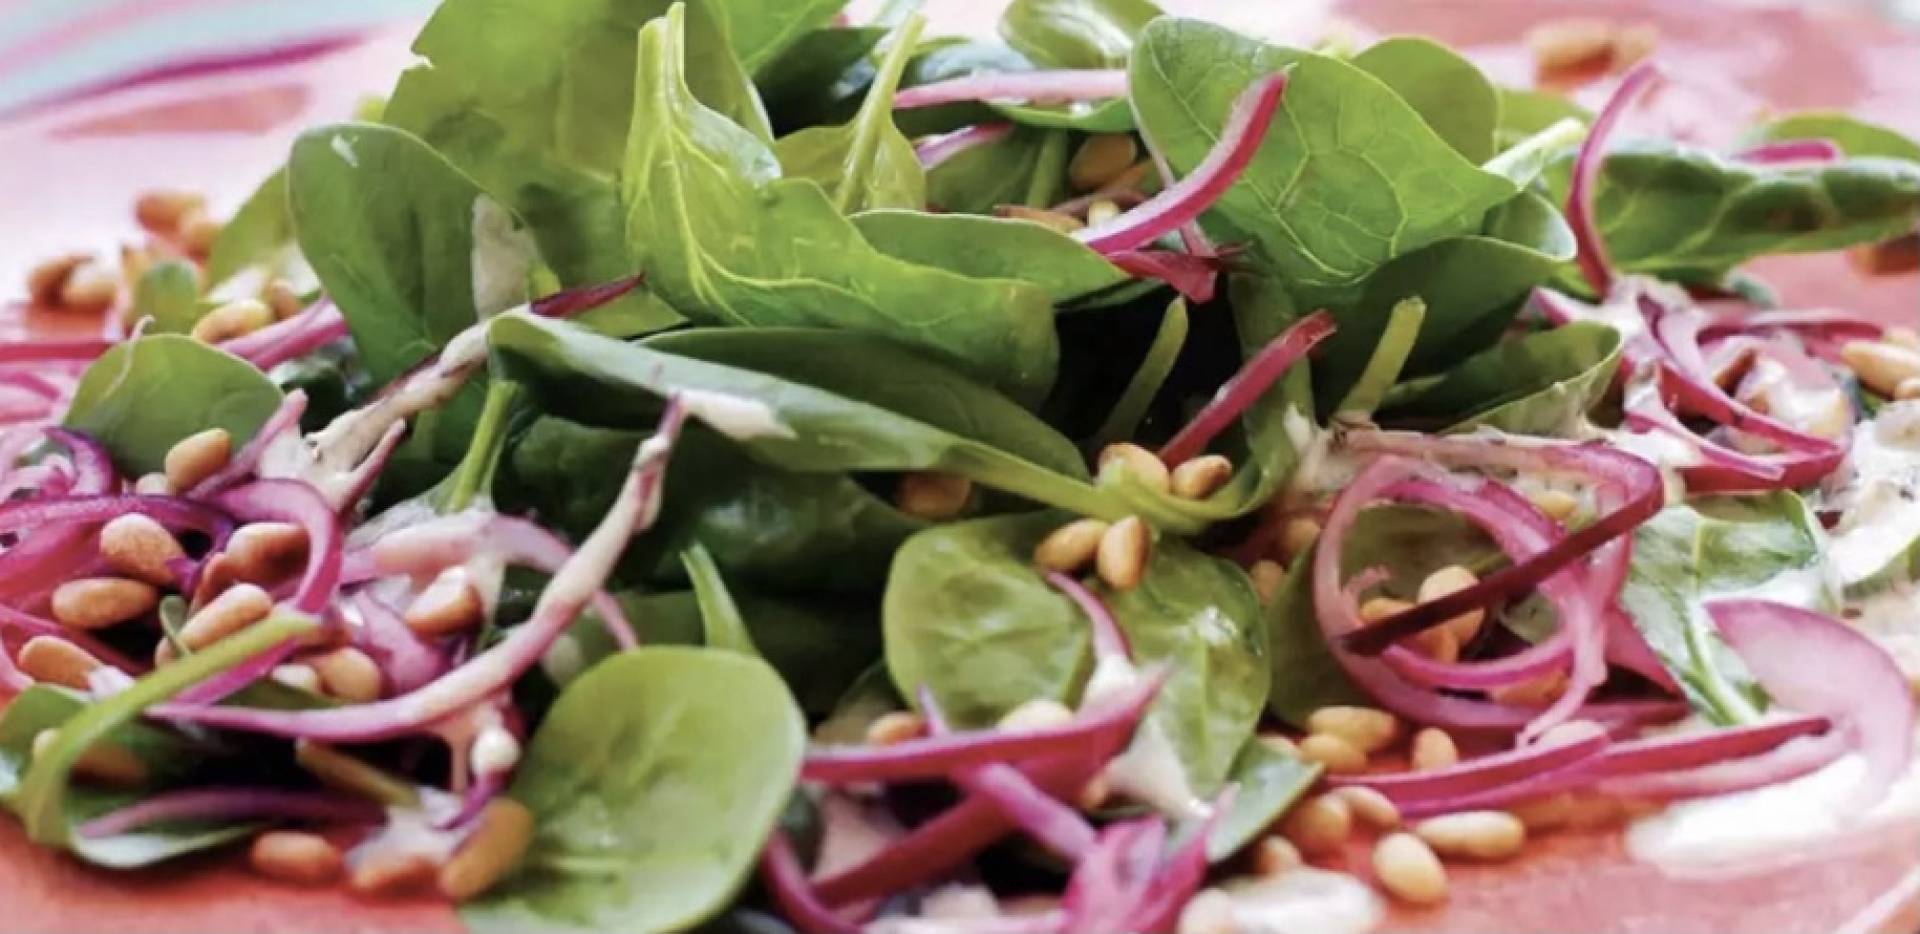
717, 465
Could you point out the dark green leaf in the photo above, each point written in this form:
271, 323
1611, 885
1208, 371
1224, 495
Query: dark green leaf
169, 294
761, 30
978, 179
865, 163
1268, 782
259, 234
1075, 33
143, 396
1855, 137
1132, 405
1542, 384
992, 248
720, 621
806, 81
1455, 99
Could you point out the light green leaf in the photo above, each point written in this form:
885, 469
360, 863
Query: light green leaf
143, 396
1455, 99
865, 163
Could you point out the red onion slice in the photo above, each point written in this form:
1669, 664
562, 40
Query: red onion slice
1789, 761
297, 503
568, 303
787, 881
1052, 824
1586, 176
1481, 774
1194, 277
232, 804
284, 419
1039, 87
1247, 386
1791, 152
1109, 640
77, 350
311, 329
937, 149
1187, 199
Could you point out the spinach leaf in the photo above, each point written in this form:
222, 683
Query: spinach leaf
807, 80
966, 615
168, 293
1855, 137
865, 163
978, 179
1768, 544
1542, 384
259, 234
1525, 112
143, 396
727, 241
992, 248
1382, 183
1268, 782
1112, 115
654, 781
761, 31
1075, 33
1455, 99
720, 621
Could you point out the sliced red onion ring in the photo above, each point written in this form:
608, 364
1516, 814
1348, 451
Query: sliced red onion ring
1789, 761
1791, 152
1825, 321
1592, 247
78, 350
937, 149
1855, 683
787, 881
1040, 87
1109, 640
408, 662
297, 503
1191, 236
171, 511
568, 303
1194, 277
1187, 199
311, 329
1105, 888
242, 803
1481, 774
1052, 824
235, 679
284, 419
1247, 386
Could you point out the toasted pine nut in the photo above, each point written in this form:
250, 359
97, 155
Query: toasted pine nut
505, 829
1371, 807
1298, 536
933, 495
1434, 749
1335, 754
234, 319
296, 857
1319, 826
1101, 159
99, 602
267, 552
53, 660
234, 609
197, 457
1881, 365
90, 288
161, 211
1537, 692
1482, 835
1102, 211
1408, 869
1365, 728
197, 233
134, 263
216, 576
282, 299
349, 674
1908, 390
103, 763
1123, 553
1040, 713
1070, 547
344, 772
895, 727
392, 873
1209, 911
1902, 336
1888, 257
1094, 794
1632, 44
297, 675
450, 604
152, 484
140, 548
1439, 644
1379, 608
1449, 580
1274, 854
1061, 222
1543, 814
1268, 577
1280, 743
1142, 465
1200, 477
1592, 812
49, 276
1559, 505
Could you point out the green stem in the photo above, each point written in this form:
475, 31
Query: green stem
474, 476
720, 619
877, 111
1147, 380
1389, 358
1043, 189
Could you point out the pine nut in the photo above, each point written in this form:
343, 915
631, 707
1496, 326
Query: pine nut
152, 484
895, 727
282, 299
1100, 160
134, 263
197, 457
1902, 337
234, 319
1409, 870
1565, 44
1481, 835
1908, 390
1365, 728
450, 604
49, 276
1559, 505
1268, 578
1439, 644
90, 288
234, 609
296, 857
1209, 911
1536, 692
1887, 258
216, 576
1334, 754
1319, 826
1061, 222
933, 495
1881, 366
1298, 536
1379, 608
343, 772
1280, 743
1040, 713
1094, 794
1201, 477
1070, 547
161, 211
1102, 211
349, 674
1275, 854
138, 547
53, 660
1450, 580
1593, 812
1540, 815
505, 829
103, 763
197, 233
99, 602
267, 552
1434, 749
1370, 806
392, 873
1137, 462
1122, 556
298, 676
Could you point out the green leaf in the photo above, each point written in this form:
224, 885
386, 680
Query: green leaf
260, 234
992, 248
1268, 782
1524, 113
978, 179
726, 241
1856, 137
1349, 177
805, 82
761, 30
967, 615
1075, 33
169, 294
1541, 384
865, 163
654, 782
720, 620
1132, 405
143, 396
1530, 157
1455, 99
1112, 115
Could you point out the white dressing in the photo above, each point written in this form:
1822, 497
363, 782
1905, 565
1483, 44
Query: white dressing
737, 417
502, 259
1304, 900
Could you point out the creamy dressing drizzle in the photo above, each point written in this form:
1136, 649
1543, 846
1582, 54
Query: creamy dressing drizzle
1304, 901
737, 417
502, 259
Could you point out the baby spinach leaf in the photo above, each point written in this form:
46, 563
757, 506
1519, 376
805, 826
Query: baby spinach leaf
1525, 112
992, 248
725, 240
1382, 183
1541, 384
1455, 99
720, 621
1075, 33
760, 30
1112, 115
259, 234
1529, 157
654, 782
967, 615
143, 396
169, 294
1268, 782
864, 163
803, 84
978, 179
1855, 137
